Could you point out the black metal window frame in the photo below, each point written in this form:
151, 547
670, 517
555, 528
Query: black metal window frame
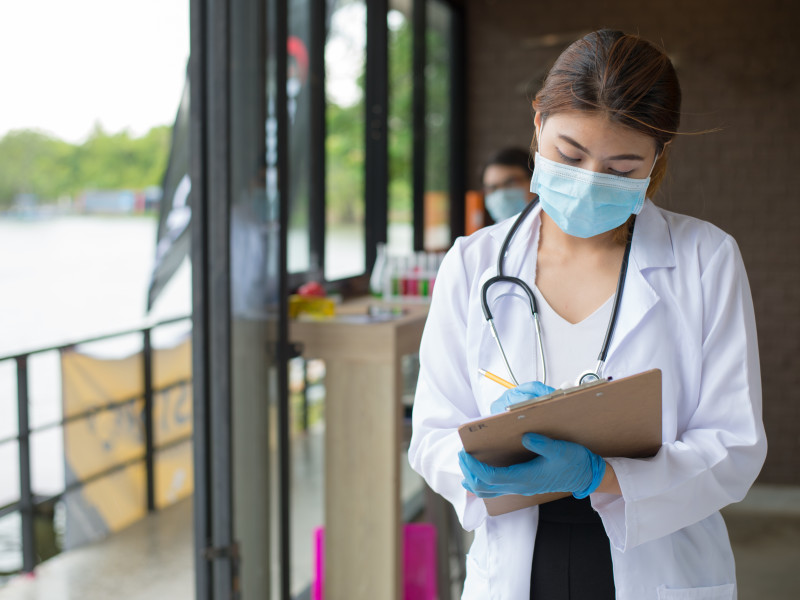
376, 109
213, 25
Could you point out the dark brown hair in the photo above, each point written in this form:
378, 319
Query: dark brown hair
624, 77
510, 157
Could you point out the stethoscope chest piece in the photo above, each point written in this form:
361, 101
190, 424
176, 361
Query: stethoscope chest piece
588, 377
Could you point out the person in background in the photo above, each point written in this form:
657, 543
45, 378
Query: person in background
506, 179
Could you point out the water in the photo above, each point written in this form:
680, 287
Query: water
61, 280
73, 277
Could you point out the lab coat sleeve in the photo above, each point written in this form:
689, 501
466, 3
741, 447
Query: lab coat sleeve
715, 460
444, 398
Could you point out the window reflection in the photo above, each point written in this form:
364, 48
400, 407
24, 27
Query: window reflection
437, 126
299, 108
345, 57
400, 128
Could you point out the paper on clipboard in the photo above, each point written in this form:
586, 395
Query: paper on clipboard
612, 418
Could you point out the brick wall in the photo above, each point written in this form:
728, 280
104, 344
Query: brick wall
739, 66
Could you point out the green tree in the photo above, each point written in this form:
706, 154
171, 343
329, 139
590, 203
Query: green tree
30, 163
400, 122
118, 161
35, 163
437, 109
344, 172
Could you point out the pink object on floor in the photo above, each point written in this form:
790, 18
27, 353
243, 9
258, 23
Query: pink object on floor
419, 562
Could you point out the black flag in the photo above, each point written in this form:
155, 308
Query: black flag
175, 212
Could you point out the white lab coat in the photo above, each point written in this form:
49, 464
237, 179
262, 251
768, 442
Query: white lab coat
687, 310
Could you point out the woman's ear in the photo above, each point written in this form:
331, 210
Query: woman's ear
537, 123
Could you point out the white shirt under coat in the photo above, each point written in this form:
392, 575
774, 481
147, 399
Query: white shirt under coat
570, 349
687, 310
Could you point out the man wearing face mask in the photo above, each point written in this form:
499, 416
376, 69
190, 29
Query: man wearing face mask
506, 180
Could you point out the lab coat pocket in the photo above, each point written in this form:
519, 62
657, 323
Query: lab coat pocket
476, 585
717, 592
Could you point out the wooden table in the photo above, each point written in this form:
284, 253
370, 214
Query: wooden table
364, 417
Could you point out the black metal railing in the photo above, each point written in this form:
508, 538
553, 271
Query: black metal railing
29, 502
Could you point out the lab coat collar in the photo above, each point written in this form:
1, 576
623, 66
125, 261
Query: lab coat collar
520, 253
651, 248
652, 242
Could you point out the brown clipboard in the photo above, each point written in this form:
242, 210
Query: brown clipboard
614, 418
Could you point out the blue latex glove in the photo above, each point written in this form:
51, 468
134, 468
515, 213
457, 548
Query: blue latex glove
560, 467
526, 391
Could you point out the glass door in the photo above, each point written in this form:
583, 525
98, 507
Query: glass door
240, 293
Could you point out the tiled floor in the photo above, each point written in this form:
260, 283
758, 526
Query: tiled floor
152, 560
765, 534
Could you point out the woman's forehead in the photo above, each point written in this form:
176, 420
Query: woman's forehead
596, 132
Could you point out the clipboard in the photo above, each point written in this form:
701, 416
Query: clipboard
620, 417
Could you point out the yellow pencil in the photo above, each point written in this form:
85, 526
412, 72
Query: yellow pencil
496, 379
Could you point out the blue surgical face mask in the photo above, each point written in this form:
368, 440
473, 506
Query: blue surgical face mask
506, 202
584, 203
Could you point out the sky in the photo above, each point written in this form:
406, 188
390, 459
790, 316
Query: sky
68, 64
344, 54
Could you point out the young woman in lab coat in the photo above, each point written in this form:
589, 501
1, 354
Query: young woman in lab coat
636, 529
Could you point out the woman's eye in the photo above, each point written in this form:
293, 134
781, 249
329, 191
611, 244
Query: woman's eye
567, 158
621, 173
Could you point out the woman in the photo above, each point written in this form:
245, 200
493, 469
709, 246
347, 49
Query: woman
633, 528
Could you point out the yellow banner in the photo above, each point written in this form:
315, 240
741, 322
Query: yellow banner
108, 437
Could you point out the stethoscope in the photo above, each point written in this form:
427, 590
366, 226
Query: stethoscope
586, 376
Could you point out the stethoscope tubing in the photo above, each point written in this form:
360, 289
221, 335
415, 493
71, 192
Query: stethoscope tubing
623, 271
501, 277
487, 313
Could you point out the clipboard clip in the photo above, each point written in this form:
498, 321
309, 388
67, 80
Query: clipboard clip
556, 394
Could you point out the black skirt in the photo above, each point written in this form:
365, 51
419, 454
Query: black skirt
572, 555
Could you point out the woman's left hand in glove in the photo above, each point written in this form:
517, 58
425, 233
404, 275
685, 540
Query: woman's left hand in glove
559, 467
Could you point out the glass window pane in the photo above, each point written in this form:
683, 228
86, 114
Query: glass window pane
102, 440
174, 477
44, 389
400, 126
11, 549
119, 497
307, 431
84, 141
85, 137
8, 399
437, 126
345, 58
298, 93
307, 434
256, 274
9, 472
47, 462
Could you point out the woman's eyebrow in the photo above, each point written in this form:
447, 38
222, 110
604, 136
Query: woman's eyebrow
569, 140
626, 157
